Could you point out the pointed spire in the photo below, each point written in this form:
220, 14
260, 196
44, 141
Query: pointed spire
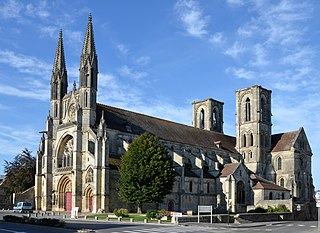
59, 66
89, 46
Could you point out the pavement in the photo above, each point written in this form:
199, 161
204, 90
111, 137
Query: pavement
235, 225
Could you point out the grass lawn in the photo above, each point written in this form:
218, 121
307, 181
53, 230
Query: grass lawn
136, 217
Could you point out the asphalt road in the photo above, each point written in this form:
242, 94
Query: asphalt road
115, 227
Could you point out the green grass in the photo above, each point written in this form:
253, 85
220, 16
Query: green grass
136, 217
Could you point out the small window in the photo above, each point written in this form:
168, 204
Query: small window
270, 196
244, 140
190, 186
281, 182
202, 119
279, 161
251, 139
208, 188
248, 110
214, 118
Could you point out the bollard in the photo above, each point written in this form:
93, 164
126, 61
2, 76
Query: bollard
64, 216
107, 219
131, 220
119, 219
85, 217
145, 220
159, 221
96, 218
36, 215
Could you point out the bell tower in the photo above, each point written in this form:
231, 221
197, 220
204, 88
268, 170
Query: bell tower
253, 126
88, 77
59, 82
208, 114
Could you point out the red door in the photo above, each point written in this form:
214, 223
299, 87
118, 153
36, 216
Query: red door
68, 204
90, 203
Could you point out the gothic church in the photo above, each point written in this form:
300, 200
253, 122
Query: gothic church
79, 153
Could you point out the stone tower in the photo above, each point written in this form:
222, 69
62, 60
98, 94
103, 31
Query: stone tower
253, 126
88, 77
59, 82
208, 114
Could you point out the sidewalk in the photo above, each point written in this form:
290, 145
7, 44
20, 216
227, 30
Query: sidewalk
234, 225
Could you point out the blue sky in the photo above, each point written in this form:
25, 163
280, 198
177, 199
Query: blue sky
156, 57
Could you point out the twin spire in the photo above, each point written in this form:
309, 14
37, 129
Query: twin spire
59, 72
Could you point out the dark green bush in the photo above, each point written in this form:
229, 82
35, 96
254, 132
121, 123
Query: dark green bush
122, 212
36, 221
258, 210
278, 208
157, 214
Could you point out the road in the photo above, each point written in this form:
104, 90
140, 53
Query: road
115, 227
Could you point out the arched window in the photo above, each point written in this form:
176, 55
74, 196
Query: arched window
251, 139
190, 186
279, 162
240, 193
214, 118
65, 154
248, 110
86, 99
266, 141
281, 182
270, 196
202, 119
89, 175
282, 196
250, 154
244, 140
208, 188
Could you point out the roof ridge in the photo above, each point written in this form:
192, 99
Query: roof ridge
161, 119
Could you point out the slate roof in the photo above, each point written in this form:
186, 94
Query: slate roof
229, 169
260, 183
136, 123
283, 141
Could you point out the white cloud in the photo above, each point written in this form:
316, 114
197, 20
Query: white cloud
235, 2
235, 50
217, 38
38, 10
25, 64
76, 37
301, 57
50, 31
260, 55
122, 49
242, 73
192, 18
10, 9
126, 71
143, 61
33, 93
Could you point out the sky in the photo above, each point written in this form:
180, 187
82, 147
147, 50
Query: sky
157, 57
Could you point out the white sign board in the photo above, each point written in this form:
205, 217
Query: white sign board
318, 203
205, 209
317, 195
74, 212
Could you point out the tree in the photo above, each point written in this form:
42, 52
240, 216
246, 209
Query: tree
146, 172
20, 173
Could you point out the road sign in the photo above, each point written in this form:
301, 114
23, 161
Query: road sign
318, 203
317, 195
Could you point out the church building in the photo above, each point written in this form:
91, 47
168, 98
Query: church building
84, 140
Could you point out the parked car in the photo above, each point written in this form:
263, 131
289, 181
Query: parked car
23, 207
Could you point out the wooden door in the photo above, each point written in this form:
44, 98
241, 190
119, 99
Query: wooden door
68, 204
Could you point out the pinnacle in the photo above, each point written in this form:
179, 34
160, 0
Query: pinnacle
89, 45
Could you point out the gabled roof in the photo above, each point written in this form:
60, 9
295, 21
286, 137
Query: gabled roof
229, 169
136, 123
260, 183
284, 141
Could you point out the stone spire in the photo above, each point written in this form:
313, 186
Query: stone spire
89, 49
59, 80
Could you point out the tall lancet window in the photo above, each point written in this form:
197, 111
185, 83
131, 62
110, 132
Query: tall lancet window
214, 118
248, 110
202, 119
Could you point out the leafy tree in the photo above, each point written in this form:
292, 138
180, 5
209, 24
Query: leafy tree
146, 172
20, 173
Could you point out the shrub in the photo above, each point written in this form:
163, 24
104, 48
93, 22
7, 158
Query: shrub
122, 212
36, 221
157, 214
278, 208
258, 209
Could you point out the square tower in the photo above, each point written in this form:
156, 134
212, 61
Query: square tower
253, 126
208, 114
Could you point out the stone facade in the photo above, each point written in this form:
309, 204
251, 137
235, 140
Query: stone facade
79, 153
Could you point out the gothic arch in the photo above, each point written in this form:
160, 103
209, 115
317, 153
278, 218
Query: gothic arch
241, 193
89, 175
64, 189
248, 109
215, 117
88, 193
65, 152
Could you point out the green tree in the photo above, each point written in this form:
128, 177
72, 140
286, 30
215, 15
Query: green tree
146, 172
20, 173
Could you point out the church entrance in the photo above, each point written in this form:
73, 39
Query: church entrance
89, 199
64, 189
68, 201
